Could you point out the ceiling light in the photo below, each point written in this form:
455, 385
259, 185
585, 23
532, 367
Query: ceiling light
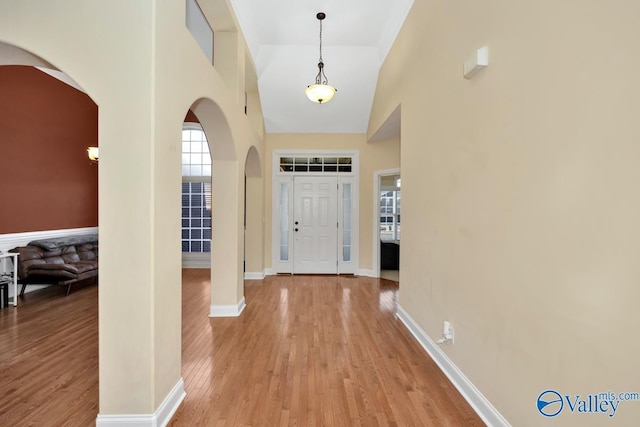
320, 91
93, 152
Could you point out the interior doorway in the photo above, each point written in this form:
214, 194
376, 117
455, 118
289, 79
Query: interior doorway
387, 230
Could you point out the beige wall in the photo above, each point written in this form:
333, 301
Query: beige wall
520, 201
373, 156
254, 215
140, 65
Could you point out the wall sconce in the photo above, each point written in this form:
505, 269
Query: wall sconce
93, 153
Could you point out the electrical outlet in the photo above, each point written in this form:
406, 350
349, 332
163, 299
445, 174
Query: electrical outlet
447, 332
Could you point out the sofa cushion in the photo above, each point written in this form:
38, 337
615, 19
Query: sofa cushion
85, 266
54, 270
88, 251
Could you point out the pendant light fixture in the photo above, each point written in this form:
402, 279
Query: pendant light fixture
320, 92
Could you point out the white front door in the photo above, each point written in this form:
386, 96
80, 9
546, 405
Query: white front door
315, 225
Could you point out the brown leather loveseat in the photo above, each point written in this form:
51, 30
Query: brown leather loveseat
58, 261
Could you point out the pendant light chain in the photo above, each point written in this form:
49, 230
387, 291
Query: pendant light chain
321, 78
321, 40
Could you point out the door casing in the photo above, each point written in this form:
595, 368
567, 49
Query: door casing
282, 243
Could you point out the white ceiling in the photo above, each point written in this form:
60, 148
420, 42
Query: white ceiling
283, 37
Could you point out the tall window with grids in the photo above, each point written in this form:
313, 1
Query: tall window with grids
196, 190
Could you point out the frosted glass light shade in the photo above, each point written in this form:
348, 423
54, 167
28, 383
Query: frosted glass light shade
320, 93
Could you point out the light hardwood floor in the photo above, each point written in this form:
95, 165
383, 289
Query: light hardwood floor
307, 350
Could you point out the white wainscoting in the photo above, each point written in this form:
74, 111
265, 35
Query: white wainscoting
478, 402
12, 240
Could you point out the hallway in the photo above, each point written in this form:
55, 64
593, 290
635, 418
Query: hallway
307, 350
310, 350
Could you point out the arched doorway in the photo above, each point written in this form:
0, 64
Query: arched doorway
47, 125
227, 294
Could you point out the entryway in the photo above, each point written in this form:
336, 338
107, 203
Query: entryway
315, 212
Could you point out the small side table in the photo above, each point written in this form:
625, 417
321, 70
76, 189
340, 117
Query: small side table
9, 273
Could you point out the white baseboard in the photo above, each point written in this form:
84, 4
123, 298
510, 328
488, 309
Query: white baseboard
227, 310
196, 260
361, 272
366, 273
254, 276
160, 418
13, 240
478, 402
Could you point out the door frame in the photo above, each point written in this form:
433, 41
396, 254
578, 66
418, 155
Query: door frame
279, 177
377, 175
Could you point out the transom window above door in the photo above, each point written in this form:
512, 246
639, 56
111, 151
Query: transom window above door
315, 164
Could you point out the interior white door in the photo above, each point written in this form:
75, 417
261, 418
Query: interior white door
315, 225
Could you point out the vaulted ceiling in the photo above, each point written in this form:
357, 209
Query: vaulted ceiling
283, 37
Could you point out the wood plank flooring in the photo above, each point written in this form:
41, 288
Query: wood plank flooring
307, 350
310, 351
49, 358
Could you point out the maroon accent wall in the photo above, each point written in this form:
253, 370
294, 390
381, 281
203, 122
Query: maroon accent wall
47, 181
190, 117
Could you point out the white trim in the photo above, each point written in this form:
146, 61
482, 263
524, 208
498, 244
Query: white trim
12, 240
367, 273
354, 154
269, 272
170, 404
160, 418
254, 276
375, 264
472, 395
227, 310
278, 178
196, 260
